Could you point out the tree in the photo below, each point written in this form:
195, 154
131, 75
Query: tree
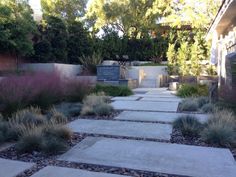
196, 13
79, 42
172, 59
69, 10
16, 28
183, 56
55, 32
133, 18
43, 51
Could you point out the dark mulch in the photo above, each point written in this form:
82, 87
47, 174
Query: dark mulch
178, 138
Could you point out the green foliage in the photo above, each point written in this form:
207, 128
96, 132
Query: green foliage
57, 117
57, 131
69, 109
190, 90
207, 108
188, 105
43, 51
30, 141
50, 139
202, 100
76, 90
52, 145
90, 62
29, 116
55, 32
188, 125
221, 129
113, 90
219, 134
79, 42
134, 18
96, 104
103, 109
69, 10
183, 56
172, 59
16, 25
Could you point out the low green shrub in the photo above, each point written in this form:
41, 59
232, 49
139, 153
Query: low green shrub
96, 105
36, 132
30, 141
90, 62
113, 90
188, 125
31, 116
76, 90
223, 116
220, 134
221, 128
49, 138
57, 117
191, 90
57, 131
202, 100
207, 108
52, 145
69, 109
103, 109
188, 105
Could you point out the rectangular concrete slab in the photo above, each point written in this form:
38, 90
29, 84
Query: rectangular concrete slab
122, 128
166, 99
124, 98
11, 168
156, 116
156, 96
167, 158
145, 106
51, 171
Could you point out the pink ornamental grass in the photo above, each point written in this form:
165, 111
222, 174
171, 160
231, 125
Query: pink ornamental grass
40, 89
17, 92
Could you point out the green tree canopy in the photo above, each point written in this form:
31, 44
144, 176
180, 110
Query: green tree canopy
16, 27
196, 13
69, 10
133, 18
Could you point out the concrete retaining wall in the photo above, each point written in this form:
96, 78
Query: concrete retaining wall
66, 70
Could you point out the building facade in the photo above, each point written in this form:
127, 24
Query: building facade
223, 53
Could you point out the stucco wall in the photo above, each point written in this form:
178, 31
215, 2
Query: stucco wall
66, 70
147, 72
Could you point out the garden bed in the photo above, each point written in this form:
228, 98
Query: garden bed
42, 160
178, 138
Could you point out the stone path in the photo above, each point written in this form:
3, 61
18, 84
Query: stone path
155, 116
51, 171
11, 168
146, 116
154, 156
145, 106
142, 118
122, 128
